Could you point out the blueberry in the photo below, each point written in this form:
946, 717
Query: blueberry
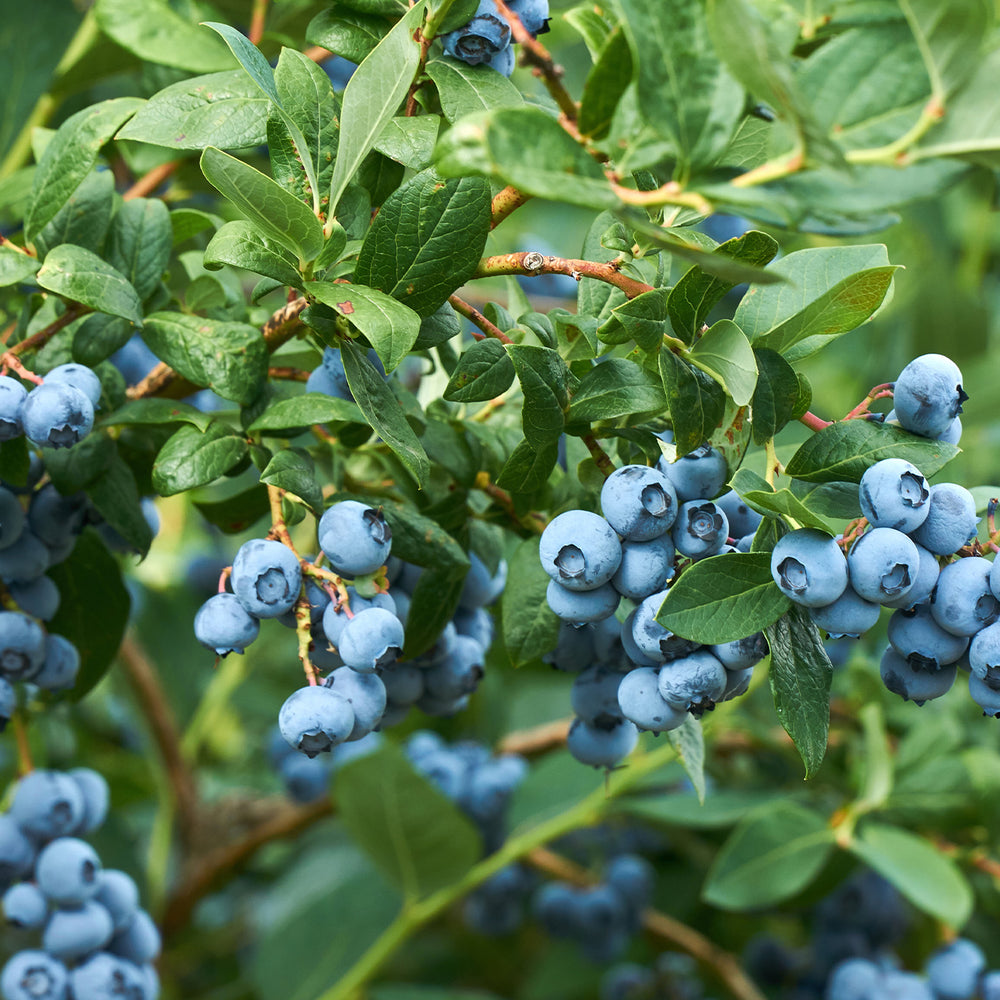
12, 397
574, 649
47, 804
954, 970
894, 494
928, 395
119, 895
809, 567
646, 567
534, 14
699, 475
984, 653
594, 695
963, 602
266, 578
580, 550
80, 377
61, 665
25, 905
33, 975
653, 640
54, 518
22, 646
372, 639
138, 941
737, 683
883, 563
627, 981
924, 584
306, 779
634, 655
916, 636
442, 708
459, 673
952, 434
481, 38
404, 683
96, 797
854, 979
906, 986
694, 683
701, 529
324, 380
57, 415
315, 719
223, 625
601, 916
38, 598
849, 615
640, 702
985, 695
477, 624
741, 653
989, 985
8, 702
638, 502
554, 906
336, 615
12, 518
27, 559
68, 871
107, 977
743, 520
17, 852
632, 876
580, 607
601, 747
951, 521
69, 935
355, 538
491, 915
366, 695
481, 587
914, 683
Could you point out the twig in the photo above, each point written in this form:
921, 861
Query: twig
257, 21
533, 264
813, 422
25, 765
10, 362
150, 181
472, 313
317, 53
537, 740
288, 374
505, 201
599, 455
163, 726
879, 392
42, 337
533, 521
725, 965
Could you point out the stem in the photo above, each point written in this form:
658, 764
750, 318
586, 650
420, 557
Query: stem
537, 740
895, 153
257, 20
43, 336
303, 633
878, 392
772, 170
670, 193
288, 374
317, 53
813, 422
10, 362
773, 465
533, 521
473, 314
533, 264
25, 764
150, 181
505, 202
599, 455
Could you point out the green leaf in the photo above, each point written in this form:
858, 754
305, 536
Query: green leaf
428, 993
416, 836
235, 514
242, 244
265, 202
545, 381
592, 27
774, 396
606, 82
642, 319
71, 469
689, 742
843, 451
15, 266
530, 627
158, 411
554, 783
484, 371
722, 808
230, 358
552, 166
115, 495
383, 411
432, 604
725, 353
784, 503
422, 541
140, 242
85, 219
14, 461
93, 608
390, 326
155, 33
426, 240
774, 853
696, 401
688, 95
193, 458
82, 276
616, 388
372, 97
528, 469
347, 33
409, 141
723, 598
465, 90
226, 110
70, 157
696, 293
293, 470
294, 414
800, 682
921, 873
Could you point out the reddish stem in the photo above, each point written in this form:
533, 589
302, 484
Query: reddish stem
813, 422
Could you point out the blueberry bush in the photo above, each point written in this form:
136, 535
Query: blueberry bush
369, 366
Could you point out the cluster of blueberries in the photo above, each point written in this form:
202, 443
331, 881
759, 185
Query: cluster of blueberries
97, 941
672, 976
487, 38
55, 414
637, 675
307, 779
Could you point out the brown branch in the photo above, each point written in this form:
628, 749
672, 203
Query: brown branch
533, 264
150, 181
599, 455
813, 422
288, 374
662, 926
473, 314
163, 726
258, 18
533, 521
42, 337
505, 202
537, 740
317, 53
25, 765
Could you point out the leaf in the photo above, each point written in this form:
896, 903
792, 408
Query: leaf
193, 458
530, 627
616, 388
299, 412
115, 495
465, 89
293, 471
85, 219
347, 33
484, 371
722, 808
642, 319
774, 396
723, 598
606, 82
372, 97
528, 469
80, 275
416, 836
843, 451
774, 853
784, 503
544, 380
426, 240
391, 327
235, 514
432, 604
688, 95
93, 608
71, 469
279, 214
409, 141
696, 401
921, 873
420, 540
689, 742
553, 165
383, 411
226, 110
242, 244
800, 682
230, 358
155, 33
554, 783
16, 266
696, 293
725, 353
70, 157
140, 242
158, 411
